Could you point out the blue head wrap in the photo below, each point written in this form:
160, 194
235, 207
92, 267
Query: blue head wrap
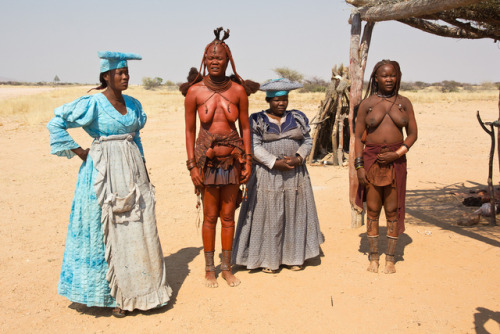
113, 60
279, 87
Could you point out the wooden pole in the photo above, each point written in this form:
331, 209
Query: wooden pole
358, 55
498, 129
491, 190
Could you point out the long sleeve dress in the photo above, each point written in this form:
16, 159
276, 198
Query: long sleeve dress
278, 223
112, 254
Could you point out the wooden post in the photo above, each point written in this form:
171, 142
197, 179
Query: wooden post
357, 61
340, 123
498, 129
491, 190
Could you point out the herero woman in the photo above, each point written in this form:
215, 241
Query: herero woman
380, 151
221, 160
112, 256
278, 223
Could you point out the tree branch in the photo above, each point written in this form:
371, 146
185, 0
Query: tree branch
408, 9
444, 31
361, 3
486, 31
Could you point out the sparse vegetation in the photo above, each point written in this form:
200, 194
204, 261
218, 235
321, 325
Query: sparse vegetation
150, 83
314, 85
39, 108
288, 73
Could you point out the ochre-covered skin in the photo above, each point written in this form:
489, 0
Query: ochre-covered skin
218, 111
380, 121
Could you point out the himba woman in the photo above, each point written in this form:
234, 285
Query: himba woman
380, 150
112, 256
221, 160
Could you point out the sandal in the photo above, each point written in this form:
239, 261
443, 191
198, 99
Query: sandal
269, 271
119, 313
296, 268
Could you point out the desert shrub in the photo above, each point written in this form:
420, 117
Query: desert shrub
449, 86
314, 85
285, 72
488, 85
169, 83
150, 83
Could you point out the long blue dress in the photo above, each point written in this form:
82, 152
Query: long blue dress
84, 268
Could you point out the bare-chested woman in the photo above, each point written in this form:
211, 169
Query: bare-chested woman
380, 150
221, 160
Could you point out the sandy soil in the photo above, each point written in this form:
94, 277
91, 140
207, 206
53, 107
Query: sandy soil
447, 276
12, 91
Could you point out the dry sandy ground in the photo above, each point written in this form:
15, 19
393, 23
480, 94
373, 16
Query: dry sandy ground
8, 92
447, 278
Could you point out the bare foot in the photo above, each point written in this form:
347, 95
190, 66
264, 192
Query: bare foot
373, 266
389, 268
230, 278
210, 280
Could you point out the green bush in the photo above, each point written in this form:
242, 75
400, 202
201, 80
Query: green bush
150, 83
449, 86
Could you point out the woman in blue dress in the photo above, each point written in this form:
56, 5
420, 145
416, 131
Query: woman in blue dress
112, 256
278, 223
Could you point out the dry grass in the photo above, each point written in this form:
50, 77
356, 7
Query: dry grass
38, 108
431, 95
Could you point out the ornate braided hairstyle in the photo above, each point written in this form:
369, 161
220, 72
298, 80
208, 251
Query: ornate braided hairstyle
195, 75
372, 84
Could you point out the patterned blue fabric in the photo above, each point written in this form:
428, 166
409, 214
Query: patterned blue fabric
84, 268
287, 125
279, 87
275, 93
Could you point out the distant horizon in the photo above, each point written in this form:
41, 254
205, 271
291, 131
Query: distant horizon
4, 81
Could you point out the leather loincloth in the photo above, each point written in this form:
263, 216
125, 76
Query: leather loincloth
393, 174
217, 170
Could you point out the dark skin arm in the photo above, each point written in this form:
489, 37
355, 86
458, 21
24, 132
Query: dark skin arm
244, 125
358, 144
190, 120
82, 154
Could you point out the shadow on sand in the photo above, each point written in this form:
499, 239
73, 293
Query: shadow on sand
482, 316
403, 241
312, 262
443, 208
177, 271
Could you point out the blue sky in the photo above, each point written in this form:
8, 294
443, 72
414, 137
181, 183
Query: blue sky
41, 39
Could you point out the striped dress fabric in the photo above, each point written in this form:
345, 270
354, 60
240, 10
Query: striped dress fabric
278, 223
